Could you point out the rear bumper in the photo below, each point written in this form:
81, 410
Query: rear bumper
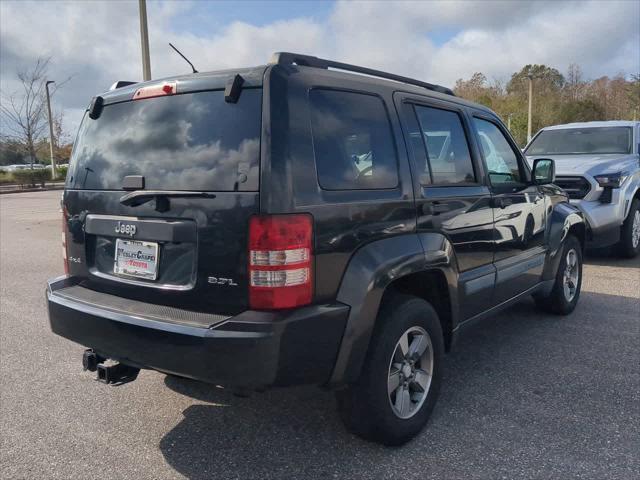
251, 350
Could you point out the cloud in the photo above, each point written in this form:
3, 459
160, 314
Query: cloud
496, 38
98, 42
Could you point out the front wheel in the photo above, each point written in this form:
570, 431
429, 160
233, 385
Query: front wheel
566, 289
399, 383
629, 245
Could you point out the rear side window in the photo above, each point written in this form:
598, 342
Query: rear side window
447, 148
352, 141
192, 141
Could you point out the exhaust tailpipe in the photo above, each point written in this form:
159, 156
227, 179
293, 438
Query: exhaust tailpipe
91, 360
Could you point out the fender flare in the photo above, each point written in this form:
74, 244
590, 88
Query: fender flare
369, 272
635, 189
562, 219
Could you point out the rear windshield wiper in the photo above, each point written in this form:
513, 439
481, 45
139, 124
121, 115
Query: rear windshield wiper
161, 197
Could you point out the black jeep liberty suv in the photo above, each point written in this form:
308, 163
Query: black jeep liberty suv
303, 222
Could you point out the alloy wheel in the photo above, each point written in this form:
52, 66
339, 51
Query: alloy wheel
410, 372
635, 230
570, 277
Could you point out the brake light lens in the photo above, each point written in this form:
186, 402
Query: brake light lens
280, 261
64, 243
166, 88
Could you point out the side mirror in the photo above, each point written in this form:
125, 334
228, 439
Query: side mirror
544, 171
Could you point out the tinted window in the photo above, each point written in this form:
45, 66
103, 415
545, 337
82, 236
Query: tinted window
582, 140
180, 142
502, 162
446, 144
352, 141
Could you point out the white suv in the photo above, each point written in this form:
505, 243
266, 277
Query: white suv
598, 165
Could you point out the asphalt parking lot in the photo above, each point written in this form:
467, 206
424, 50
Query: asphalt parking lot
525, 395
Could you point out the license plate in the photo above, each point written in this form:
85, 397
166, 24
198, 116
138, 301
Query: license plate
136, 259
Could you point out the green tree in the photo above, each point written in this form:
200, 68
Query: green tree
547, 79
556, 98
633, 94
471, 89
586, 110
548, 83
11, 152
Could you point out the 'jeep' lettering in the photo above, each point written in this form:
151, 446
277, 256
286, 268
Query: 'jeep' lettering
126, 229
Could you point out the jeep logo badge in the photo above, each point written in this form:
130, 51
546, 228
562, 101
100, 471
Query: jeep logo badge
125, 229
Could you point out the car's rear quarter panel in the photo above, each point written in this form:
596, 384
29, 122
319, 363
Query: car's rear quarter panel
345, 220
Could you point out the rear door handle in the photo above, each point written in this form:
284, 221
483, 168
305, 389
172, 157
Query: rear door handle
440, 208
435, 208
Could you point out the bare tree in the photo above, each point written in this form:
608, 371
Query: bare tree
23, 112
62, 140
575, 82
24, 117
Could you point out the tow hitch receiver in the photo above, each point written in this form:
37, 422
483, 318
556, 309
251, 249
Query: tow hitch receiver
116, 374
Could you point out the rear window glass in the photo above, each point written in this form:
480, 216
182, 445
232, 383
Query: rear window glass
569, 141
352, 141
193, 141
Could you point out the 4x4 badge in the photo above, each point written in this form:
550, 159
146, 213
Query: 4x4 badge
126, 229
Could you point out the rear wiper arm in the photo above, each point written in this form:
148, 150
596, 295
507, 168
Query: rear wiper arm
161, 197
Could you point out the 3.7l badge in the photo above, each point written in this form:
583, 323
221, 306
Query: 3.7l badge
222, 281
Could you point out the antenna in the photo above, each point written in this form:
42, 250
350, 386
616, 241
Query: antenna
185, 58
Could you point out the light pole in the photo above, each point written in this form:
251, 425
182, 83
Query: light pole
144, 38
53, 160
530, 77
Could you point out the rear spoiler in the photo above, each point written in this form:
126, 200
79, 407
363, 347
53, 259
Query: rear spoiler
120, 84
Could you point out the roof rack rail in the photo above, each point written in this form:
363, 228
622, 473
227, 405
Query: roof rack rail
287, 58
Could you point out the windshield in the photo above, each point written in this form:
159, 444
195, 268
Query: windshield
193, 141
573, 141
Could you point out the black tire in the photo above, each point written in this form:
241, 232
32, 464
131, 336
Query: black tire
626, 247
365, 407
528, 232
557, 301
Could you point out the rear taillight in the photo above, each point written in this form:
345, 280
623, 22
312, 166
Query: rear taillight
280, 261
64, 243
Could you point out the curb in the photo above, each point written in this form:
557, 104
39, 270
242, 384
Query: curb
31, 190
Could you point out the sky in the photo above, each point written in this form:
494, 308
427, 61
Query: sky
98, 42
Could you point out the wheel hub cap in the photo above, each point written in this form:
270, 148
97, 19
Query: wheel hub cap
571, 273
410, 372
635, 230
